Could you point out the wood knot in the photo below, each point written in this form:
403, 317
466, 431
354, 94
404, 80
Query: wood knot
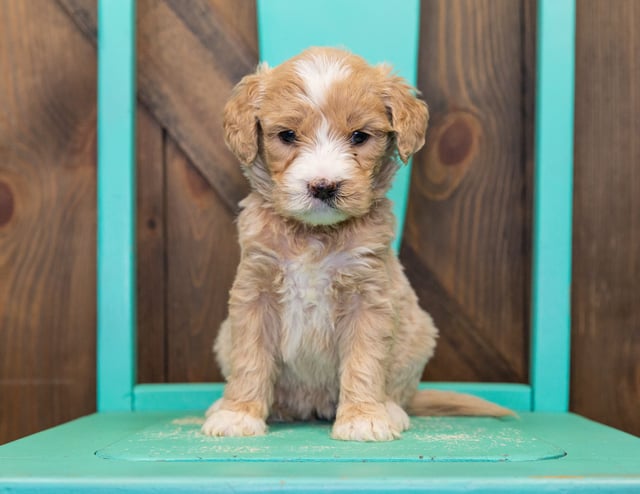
455, 142
7, 203
452, 145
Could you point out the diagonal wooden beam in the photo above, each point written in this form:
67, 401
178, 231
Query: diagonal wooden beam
188, 61
85, 15
231, 53
459, 334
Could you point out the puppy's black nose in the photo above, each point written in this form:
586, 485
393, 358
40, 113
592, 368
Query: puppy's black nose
323, 189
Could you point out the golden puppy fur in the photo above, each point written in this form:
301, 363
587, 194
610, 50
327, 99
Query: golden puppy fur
322, 320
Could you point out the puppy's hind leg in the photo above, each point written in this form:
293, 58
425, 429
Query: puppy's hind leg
413, 347
414, 344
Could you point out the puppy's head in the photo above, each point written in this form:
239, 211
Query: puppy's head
318, 135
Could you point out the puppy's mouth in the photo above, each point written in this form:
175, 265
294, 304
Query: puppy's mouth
321, 204
321, 212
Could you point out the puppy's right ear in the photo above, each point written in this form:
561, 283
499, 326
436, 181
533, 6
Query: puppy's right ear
240, 117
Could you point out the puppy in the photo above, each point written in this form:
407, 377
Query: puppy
323, 323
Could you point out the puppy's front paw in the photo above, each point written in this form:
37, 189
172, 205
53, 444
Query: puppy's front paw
365, 422
214, 407
398, 416
232, 423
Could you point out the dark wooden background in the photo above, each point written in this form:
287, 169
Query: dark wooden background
467, 240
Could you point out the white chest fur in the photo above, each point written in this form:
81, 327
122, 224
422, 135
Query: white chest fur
308, 298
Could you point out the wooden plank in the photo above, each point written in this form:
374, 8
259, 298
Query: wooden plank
47, 223
529, 40
606, 302
152, 258
466, 218
203, 255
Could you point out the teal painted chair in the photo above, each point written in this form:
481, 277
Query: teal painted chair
145, 437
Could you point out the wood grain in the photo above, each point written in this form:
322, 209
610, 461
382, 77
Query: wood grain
152, 255
47, 224
203, 254
606, 274
467, 216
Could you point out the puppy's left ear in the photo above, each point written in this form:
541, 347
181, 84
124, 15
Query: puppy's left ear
409, 115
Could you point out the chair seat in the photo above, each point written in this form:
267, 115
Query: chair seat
163, 451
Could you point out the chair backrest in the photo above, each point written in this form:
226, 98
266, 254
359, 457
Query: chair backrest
322, 23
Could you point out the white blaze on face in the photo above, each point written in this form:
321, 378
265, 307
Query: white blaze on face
327, 158
319, 73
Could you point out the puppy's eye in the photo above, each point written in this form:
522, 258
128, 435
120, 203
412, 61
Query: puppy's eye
359, 137
287, 136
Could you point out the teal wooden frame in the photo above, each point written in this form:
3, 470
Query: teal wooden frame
116, 269
553, 201
279, 39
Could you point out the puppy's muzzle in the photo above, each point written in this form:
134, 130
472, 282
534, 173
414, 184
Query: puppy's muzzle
323, 189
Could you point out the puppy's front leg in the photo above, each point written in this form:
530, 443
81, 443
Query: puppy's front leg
363, 412
248, 394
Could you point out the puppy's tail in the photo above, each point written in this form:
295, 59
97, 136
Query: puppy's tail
433, 402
